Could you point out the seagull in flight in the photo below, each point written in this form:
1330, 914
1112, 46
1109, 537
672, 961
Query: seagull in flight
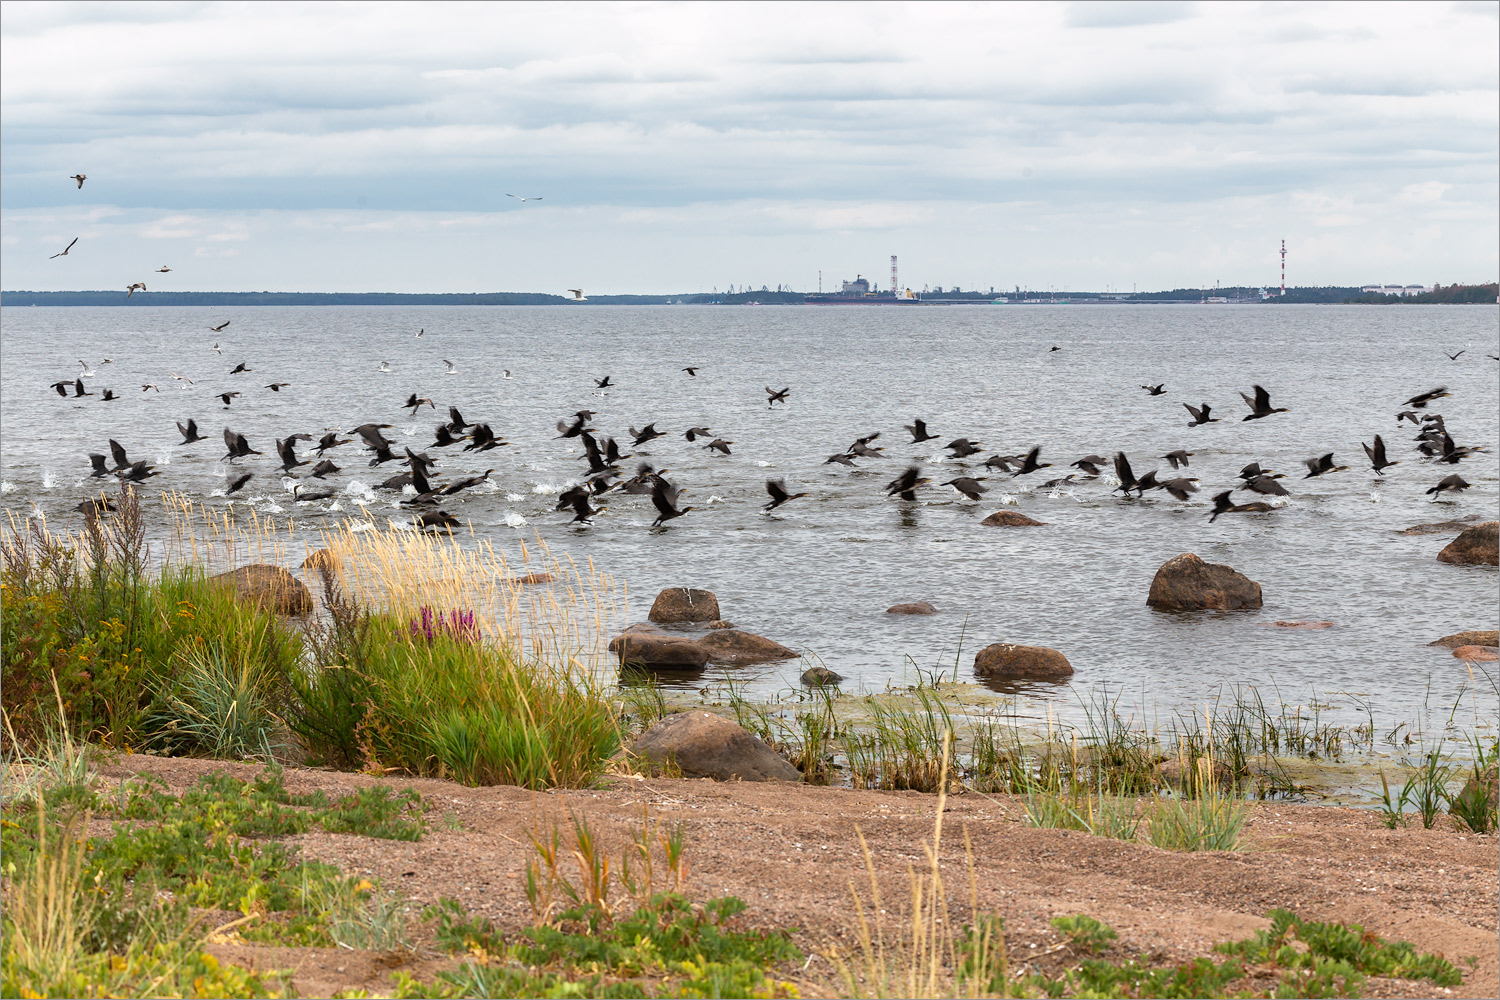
1455, 357
87, 371
80, 178
219, 329
421, 331
133, 287
385, 368
535, 197
66, 248
451, 370
577, 293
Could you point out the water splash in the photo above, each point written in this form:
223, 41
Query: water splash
6, 487
361, 525
514, 497
764, 465
48, 479
359, 492
546, 488
513, 519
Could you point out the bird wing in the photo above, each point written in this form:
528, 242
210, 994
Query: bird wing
118, 452
777, 489
659, 499
1122, 469
1262, 399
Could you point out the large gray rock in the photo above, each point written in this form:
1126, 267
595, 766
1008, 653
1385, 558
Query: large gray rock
704, 745
1187, 583
731, 645
1477, 546
1006, 661
684, 604
670, 652
271, 587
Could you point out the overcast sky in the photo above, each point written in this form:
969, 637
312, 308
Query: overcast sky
682, 147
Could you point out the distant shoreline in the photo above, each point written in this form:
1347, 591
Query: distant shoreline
1332, 295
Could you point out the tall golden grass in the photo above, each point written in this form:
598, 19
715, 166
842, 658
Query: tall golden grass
542, 606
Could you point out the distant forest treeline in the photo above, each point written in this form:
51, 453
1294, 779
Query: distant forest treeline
1447, 294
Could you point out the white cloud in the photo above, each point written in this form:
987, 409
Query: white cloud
827, 126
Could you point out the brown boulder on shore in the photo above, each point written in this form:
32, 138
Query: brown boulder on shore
643, 649
1006, 661
914, 608
1011, 519
1187, 583
730, 645
1479, 545
271, 587
704, 745
684, 604
1473, 637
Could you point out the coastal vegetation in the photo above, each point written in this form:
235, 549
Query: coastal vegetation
427, 658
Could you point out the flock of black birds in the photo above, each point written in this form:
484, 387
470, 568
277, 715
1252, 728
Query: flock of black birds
605, 457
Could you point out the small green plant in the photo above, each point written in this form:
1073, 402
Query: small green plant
1477, 805
1211, 822
1085, 934
1335, 957
1429, 786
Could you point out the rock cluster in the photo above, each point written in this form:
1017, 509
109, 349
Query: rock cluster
700, 638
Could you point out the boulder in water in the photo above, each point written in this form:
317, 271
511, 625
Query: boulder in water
1005, 661
913, 608
1477, 654
730, 645
684, 604
662, 652
1473, 637
1478, 545
820, 677
1187, 583
1011, 519
704, 745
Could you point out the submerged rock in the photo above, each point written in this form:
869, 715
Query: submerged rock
531, 578
731, 645
1302, 624
1479, 545
1477, 654
1007, 661
1439, 527
1473, 637
704, 745
271, 587
1011, 519
684, 604
1187, 583
820, 677
913, 608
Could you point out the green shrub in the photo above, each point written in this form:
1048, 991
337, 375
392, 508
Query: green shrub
447, 706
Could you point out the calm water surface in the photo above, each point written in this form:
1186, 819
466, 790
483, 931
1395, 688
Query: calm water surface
819, 573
